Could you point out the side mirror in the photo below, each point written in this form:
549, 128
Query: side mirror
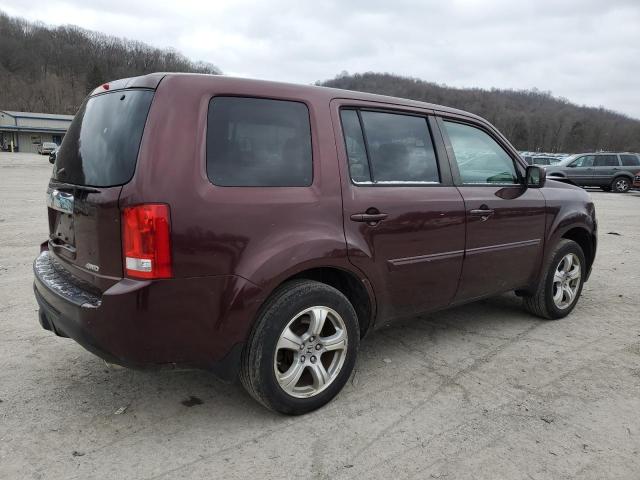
536, 176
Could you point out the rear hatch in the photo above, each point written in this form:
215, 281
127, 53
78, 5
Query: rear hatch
97, 156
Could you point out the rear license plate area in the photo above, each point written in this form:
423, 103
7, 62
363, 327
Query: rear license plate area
62, 228
61, 208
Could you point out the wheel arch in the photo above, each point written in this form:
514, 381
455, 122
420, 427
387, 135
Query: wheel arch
621, 175
357, 290
584, 238
350, 282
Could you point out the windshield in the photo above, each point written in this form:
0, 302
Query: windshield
101, 147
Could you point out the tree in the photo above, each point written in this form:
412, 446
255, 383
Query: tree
533, 120
45, 69
94, 78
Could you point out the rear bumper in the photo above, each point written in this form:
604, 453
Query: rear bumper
193, 322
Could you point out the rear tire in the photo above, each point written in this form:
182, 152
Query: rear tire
620, 185
302, 348
561, 283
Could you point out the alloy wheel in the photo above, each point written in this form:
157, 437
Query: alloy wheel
310, 352
566, 281
622, 185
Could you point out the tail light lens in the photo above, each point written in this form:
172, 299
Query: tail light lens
146, 241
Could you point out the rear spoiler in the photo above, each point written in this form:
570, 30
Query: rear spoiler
145, 81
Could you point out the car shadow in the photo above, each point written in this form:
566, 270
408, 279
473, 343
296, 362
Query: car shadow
448, 338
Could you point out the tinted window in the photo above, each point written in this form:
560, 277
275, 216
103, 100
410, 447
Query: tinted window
480, 159
354, 143
101, 146
400, 148
606, 161
258, 142
630, 160
584, 161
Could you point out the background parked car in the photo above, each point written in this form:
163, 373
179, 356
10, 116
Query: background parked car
53, 154
542, 160
46, 148
609, 171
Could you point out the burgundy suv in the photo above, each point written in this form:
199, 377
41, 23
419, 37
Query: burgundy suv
260, 229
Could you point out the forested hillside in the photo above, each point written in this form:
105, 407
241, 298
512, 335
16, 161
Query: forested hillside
47, 69
50, 70
532, 120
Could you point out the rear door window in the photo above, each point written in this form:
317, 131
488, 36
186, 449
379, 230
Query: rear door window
606, 161
630, 160
356, 150
101, 146
255, 142
394, 149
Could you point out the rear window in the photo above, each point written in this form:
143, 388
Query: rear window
256, 142
101, 146
629, 160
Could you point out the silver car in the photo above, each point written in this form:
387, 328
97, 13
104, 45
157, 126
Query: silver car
46, 148
609, 171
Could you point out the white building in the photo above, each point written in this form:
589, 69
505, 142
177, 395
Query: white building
26, 131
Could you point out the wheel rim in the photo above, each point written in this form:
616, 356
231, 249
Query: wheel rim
622, 185
310, 352
566, 281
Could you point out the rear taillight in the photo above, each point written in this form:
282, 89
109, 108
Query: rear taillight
146, 241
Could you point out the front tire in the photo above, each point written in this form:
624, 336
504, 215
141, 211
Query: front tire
561, 284
302, 348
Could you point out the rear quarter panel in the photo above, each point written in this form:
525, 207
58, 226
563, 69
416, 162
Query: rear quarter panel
262, 234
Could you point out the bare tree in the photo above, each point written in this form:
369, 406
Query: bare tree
531, 119
46, 69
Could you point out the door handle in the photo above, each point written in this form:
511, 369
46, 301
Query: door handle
369, 217
483, 212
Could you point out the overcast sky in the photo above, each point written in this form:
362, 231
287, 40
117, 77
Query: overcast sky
585, 50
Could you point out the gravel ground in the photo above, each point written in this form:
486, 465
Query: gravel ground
480, 391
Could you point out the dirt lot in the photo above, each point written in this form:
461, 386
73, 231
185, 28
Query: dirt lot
481, 391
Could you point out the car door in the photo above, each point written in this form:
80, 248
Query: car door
505, 219
605, 167
580, 171
404, 220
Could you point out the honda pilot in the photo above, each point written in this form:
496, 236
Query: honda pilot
260, 230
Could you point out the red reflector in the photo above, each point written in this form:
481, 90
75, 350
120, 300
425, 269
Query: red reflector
105, 86
146, 241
